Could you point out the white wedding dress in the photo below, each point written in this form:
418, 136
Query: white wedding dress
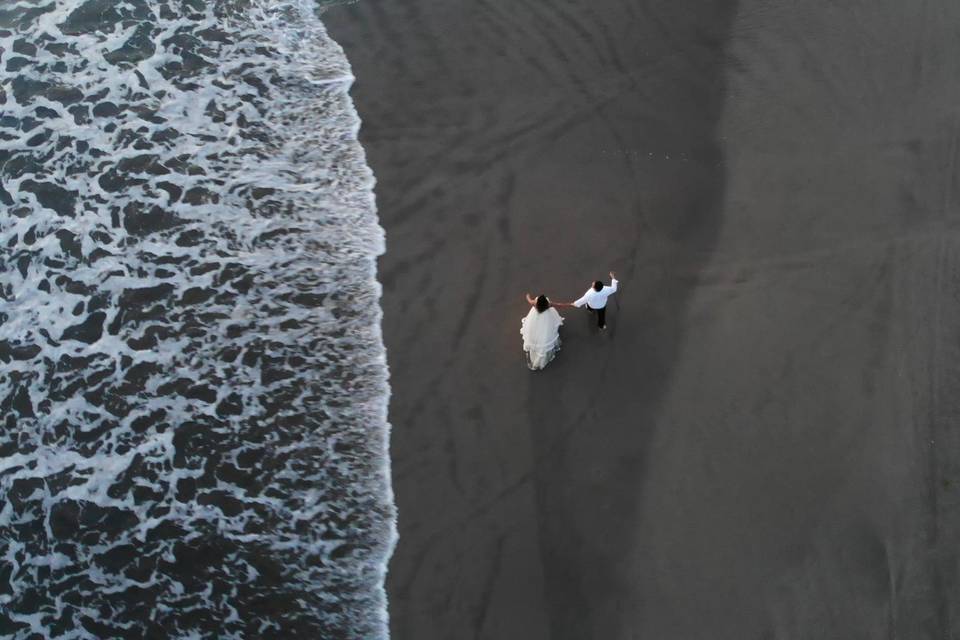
541, 336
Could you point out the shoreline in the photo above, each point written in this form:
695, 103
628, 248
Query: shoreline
747, 453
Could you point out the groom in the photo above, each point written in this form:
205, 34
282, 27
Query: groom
595, 299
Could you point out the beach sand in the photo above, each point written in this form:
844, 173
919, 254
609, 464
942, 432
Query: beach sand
764, 444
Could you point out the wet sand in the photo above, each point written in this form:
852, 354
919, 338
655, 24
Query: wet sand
765, 443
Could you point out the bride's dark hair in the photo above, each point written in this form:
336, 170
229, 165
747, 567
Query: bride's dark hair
542, 303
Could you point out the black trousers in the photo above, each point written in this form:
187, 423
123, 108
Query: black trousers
601, 316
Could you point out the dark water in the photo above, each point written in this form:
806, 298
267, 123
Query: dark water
193, 389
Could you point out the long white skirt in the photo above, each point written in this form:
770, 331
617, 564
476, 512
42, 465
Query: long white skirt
541, 336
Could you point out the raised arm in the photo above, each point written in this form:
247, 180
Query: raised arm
613, 283
531, 300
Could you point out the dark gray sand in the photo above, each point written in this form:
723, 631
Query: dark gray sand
765, 444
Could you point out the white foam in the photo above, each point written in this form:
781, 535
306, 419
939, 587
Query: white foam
303, 290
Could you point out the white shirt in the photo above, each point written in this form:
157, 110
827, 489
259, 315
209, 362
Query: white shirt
597, 299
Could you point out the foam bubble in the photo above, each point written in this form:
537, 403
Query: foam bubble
194, 401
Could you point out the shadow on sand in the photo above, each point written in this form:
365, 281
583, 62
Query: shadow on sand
594, 412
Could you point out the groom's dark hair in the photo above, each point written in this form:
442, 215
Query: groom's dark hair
597, 285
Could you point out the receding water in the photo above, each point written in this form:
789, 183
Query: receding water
194, 388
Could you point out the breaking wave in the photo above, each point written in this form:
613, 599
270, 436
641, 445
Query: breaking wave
194, 388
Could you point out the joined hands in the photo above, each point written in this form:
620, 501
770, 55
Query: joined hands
533, 300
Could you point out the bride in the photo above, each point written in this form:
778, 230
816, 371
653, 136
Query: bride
541, 332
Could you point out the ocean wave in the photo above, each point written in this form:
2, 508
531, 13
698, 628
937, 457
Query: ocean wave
194, 438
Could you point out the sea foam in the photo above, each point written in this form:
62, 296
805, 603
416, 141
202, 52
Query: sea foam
194, 388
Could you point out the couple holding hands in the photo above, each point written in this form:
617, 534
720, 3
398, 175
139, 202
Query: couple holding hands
541, 328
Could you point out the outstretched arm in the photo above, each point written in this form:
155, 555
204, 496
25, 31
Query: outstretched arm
613, 284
